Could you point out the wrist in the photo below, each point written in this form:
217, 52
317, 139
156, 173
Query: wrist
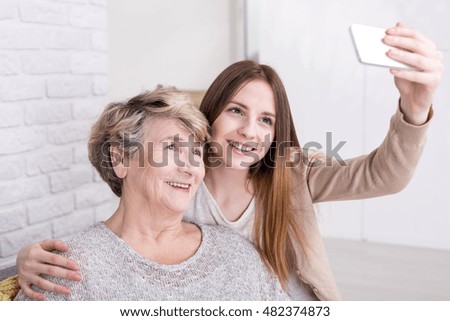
417, 119
414, 115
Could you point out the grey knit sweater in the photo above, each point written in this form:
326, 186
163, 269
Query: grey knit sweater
225, 267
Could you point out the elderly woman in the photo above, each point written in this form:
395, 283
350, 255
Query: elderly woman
149, 151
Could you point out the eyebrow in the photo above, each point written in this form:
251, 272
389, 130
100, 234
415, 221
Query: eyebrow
175, 137
265, 113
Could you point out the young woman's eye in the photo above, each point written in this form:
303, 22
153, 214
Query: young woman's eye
236, 110
267, 121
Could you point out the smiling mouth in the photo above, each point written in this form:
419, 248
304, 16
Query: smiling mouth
178, 185
244, 148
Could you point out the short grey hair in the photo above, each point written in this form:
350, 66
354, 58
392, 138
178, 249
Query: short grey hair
122, 125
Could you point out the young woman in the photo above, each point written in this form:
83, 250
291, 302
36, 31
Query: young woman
253, 186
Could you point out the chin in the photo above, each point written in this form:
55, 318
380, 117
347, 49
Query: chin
239, 166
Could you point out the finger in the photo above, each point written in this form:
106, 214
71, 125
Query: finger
412, 45
50, 245
28, 291
402, 31
54, 271
428, 79
426, 46
47, 285
40, 252
32, 294
57, 272
58, 260
418, 61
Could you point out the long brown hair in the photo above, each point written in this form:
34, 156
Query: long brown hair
274, 230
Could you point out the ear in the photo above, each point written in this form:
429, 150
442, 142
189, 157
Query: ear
116, 155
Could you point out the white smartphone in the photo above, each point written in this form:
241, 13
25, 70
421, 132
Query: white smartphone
370, 48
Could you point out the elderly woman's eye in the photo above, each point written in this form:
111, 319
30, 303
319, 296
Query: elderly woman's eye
170, 146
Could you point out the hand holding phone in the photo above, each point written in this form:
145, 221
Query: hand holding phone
370, 48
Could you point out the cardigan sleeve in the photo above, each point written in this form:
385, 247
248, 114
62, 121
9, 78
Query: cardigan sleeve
386, 170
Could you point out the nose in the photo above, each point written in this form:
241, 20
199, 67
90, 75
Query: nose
184, 161
247, 129
183, 158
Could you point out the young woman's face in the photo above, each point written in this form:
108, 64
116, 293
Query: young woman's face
171, 169
244, 131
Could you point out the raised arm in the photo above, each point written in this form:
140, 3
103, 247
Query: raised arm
36, 259
386, 170
389, 168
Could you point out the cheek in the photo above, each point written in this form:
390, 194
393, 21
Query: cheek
152, 179
218, 128
157, 156
149, 181
197, 169
215, 133
268, 138
201, 172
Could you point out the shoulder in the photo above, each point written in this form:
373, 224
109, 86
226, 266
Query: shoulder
302, 159
229, 243
89, 248
221, 233
87, 241
242, 264
89, 234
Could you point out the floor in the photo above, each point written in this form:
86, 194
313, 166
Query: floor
372, 272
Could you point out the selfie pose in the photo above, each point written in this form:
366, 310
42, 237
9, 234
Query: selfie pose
149, 151
252, 186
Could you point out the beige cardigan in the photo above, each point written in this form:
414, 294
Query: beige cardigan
386, 170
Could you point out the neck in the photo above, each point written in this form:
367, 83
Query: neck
231, 190
137, 221
222, 181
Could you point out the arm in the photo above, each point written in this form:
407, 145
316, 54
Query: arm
389, 168
37, 259
386, 170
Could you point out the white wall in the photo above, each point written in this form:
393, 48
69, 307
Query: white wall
309, 44
172, 42
56, 76
53, 83
54, 79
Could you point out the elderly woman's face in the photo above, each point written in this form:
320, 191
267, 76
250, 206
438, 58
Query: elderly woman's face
172, 167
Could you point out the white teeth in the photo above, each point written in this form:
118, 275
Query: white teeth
241, 147
180, 185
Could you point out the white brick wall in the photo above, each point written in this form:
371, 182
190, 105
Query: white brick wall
53, 84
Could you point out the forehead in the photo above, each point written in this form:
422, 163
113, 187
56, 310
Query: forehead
158, 129
256, 94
